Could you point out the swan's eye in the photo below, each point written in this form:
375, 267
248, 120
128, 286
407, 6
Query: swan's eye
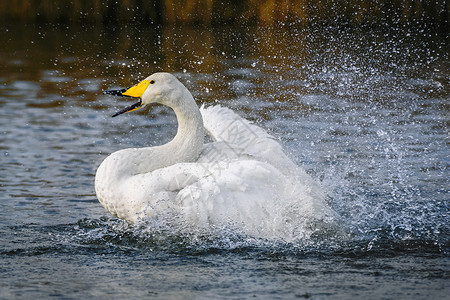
152, 82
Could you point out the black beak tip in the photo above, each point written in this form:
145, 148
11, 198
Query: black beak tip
116, 92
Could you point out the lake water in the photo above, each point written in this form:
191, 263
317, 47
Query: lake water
365, 112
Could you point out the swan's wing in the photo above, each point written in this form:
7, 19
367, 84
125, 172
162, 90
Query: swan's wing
225, 125
253, 195
205, 193
242, 193
144, 195
243, 137
239, 137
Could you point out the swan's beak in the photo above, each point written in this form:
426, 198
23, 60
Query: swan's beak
135, 91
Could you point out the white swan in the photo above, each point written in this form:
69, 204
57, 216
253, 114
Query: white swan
241, 179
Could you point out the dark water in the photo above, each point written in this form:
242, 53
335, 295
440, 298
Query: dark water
366, 112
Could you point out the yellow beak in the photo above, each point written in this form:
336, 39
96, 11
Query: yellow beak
137, 90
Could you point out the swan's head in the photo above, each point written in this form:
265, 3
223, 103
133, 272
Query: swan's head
163, 88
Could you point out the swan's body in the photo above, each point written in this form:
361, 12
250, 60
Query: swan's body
242, 178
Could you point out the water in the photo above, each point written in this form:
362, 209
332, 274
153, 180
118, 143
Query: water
364, 111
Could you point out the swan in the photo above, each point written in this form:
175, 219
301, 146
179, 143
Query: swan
242, 178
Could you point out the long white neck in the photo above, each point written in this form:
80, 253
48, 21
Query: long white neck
188, 143
185, 147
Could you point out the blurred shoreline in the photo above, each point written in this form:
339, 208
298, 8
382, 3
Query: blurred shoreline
409, 13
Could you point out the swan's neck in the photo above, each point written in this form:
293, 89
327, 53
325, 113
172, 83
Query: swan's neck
185, 147
188, 143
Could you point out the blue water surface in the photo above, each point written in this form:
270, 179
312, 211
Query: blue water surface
364, 111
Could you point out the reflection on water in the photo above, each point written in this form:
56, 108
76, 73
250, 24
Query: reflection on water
365, 112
